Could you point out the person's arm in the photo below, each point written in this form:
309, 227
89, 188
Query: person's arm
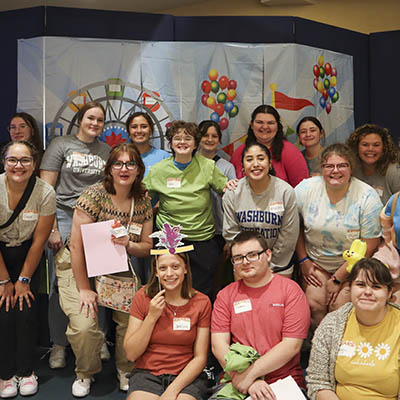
54, 240
220, 342
139, 332
138, 249
230, 223
326, 395
88, 297
193, 368
7, 288
288, 235
294, 163
40, 235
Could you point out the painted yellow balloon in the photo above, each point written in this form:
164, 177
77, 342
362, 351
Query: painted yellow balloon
321, 61
320, 86
333, 80
213, 74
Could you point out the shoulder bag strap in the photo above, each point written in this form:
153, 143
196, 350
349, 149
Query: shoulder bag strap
22, 202
129, 225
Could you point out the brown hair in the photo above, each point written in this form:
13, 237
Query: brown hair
390, 152
245, 236
189, 128
140, 114
35, 139
87, 107
152, 287
375, 272
340, 150
137, 190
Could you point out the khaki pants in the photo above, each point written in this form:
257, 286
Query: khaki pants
84, 334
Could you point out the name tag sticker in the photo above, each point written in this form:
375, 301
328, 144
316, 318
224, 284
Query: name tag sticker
181, 324
347, 349
276, 207
173, 183
353, 234
29, 215
135, 228
242, 306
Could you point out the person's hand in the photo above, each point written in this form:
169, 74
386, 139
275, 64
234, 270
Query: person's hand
231, 185
308, 269
260, 390
157, 305
332, 291
169, 395
242, 381
123, 240
88, 302
54, 241
6, 295
22, 291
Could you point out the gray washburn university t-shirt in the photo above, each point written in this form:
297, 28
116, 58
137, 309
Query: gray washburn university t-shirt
79, 165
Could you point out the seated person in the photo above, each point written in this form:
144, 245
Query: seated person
265, 311
355, 350
168, 332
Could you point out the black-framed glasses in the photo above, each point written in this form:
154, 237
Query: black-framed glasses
251, 256
339, 167
24, 161
129, 165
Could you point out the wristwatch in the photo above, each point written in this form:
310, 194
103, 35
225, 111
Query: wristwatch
24, 280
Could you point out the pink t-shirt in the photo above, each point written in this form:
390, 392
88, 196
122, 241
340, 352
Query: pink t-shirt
292, 167
169, 349
278, 309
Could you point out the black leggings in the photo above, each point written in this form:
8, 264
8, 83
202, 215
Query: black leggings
18, 329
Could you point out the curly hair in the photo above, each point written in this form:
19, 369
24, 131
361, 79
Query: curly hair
277, 143
137, 190
190, 128
390, 150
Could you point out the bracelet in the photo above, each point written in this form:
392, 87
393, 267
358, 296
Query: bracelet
304, 259
335, 280
5, 281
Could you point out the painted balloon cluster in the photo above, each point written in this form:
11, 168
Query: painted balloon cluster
325, 82
218, 96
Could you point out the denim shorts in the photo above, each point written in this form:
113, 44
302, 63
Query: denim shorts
142, 380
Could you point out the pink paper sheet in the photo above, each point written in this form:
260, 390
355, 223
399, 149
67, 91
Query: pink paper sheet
102, 255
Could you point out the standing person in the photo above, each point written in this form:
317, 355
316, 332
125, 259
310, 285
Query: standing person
121, 196
355, 350
310, 133
140, 127
24, 127
21, 248
335, 209
183, 184
378, 159
266, 128
266, 204
262, 310
70, 164
169, 332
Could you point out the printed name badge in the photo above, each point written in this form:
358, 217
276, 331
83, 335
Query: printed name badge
173, 183
242, 306
347, 349
135, 228
30, 215
276, 207
353, 234
181, 324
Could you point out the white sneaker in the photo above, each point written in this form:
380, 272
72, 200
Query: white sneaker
57, 357
81, 387
9, 387
28, 385
123, 380
104, 352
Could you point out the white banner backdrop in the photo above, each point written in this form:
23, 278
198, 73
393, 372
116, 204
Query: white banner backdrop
183, 80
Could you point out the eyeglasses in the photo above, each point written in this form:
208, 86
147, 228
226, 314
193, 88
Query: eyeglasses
13, 128
129, 165
24, 161
339, 167
251, 256
186, 139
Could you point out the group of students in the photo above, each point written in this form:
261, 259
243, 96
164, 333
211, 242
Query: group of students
314, 219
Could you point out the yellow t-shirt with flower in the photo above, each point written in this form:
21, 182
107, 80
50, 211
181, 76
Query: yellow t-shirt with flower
367, 365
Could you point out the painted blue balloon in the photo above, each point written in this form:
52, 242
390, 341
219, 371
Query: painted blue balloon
322, 101
331, 91
214, 117
229, 105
